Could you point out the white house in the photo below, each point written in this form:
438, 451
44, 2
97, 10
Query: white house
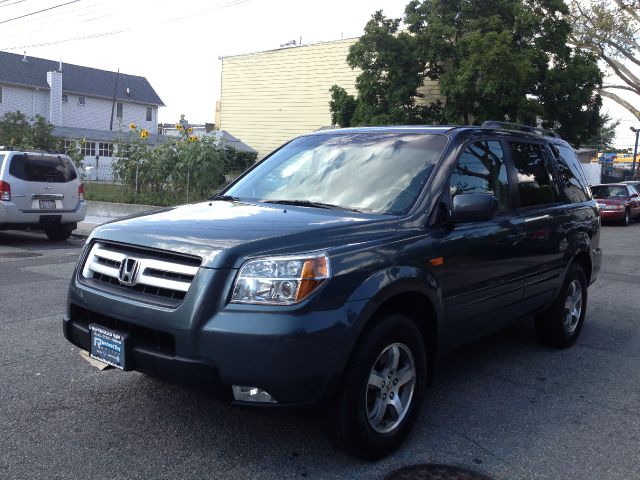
82, 103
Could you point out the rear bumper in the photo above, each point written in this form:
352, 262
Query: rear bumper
10, 214
296, 355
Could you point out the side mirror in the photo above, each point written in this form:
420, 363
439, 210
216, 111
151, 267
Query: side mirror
473, 207
634, 195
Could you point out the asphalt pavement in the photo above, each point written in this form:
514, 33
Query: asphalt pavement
504, 406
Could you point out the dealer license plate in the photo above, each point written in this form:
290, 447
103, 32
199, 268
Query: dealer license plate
108, 346
47, 204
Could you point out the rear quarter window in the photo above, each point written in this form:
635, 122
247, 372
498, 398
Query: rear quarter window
42, 168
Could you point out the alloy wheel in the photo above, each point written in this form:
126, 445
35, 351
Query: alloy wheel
389, 391
573, 306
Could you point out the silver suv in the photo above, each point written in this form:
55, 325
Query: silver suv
40, 191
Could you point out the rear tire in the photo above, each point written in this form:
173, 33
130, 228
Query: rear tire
58, 233
561, 324
382, 390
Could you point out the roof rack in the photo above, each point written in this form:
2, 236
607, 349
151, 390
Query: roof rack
519, 127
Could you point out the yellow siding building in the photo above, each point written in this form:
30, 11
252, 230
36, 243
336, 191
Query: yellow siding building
268, 98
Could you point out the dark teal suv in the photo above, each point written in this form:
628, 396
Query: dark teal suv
335, 271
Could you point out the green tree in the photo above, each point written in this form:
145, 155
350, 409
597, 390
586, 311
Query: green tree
19, 132
499, 60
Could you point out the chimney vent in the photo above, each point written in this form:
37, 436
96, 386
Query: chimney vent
60, 66
24, 57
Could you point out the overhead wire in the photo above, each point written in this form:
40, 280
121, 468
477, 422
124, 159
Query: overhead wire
221, 6
39, 11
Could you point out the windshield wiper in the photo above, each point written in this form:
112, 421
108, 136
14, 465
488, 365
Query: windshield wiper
308, 203
227, 198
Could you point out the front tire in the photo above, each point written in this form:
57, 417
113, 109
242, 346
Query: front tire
381, 391
58, 233
561, 324
626, 219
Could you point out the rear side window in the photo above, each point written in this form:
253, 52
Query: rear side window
40, 168
572, 177
481, 169
534, 179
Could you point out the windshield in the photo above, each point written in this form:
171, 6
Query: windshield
610, 191
378, 172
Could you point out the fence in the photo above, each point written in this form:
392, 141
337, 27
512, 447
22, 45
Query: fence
101, 185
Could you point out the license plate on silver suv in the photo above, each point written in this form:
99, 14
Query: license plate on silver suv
47, 204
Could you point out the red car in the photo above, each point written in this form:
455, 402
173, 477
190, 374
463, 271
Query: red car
618, 202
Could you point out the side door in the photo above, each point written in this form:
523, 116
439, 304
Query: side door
544, 214
634, 203
482, 285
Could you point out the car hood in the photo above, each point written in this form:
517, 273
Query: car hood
224, 233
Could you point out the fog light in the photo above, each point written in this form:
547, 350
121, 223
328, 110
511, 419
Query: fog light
251, 394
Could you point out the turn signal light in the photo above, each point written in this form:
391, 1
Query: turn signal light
81, 192
5, 191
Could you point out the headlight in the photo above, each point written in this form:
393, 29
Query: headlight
280, 280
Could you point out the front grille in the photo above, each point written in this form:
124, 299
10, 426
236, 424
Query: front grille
155, 276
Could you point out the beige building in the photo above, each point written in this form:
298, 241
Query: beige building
268, 98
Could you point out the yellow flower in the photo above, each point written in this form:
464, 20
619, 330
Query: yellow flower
190, 130
193, 138
178, 126
144, 133
132, 126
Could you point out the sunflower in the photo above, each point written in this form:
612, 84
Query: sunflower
144, 134
178, 126
189, 130
132, 126
193, 138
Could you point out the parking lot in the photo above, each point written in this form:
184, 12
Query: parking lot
504, 406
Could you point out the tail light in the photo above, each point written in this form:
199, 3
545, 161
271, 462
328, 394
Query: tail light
5, 191
81, 192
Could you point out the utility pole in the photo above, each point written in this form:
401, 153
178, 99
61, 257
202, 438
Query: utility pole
635, 152
113, 103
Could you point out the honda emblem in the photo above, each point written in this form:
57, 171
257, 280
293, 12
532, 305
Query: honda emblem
128, 272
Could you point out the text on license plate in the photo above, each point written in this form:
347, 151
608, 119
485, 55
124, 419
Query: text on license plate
47, 204
108, 346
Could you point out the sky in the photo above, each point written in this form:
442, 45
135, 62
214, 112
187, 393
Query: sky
177, 45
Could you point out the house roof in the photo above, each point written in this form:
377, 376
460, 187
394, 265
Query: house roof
73, 133
76, 79
90, 134
229, 139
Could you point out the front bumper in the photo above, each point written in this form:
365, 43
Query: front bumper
612, 215
296, 354
10, 214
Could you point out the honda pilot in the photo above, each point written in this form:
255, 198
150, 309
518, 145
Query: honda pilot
336, 271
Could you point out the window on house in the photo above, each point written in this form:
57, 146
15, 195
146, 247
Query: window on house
105, 149
88, 149
81, 101
69, 146
149, 113
119, 110
65, 98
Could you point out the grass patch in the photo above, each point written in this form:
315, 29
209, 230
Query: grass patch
112, 192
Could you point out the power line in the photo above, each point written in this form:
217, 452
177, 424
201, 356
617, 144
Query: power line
39, 11
228, 4
86, 37
9, 4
